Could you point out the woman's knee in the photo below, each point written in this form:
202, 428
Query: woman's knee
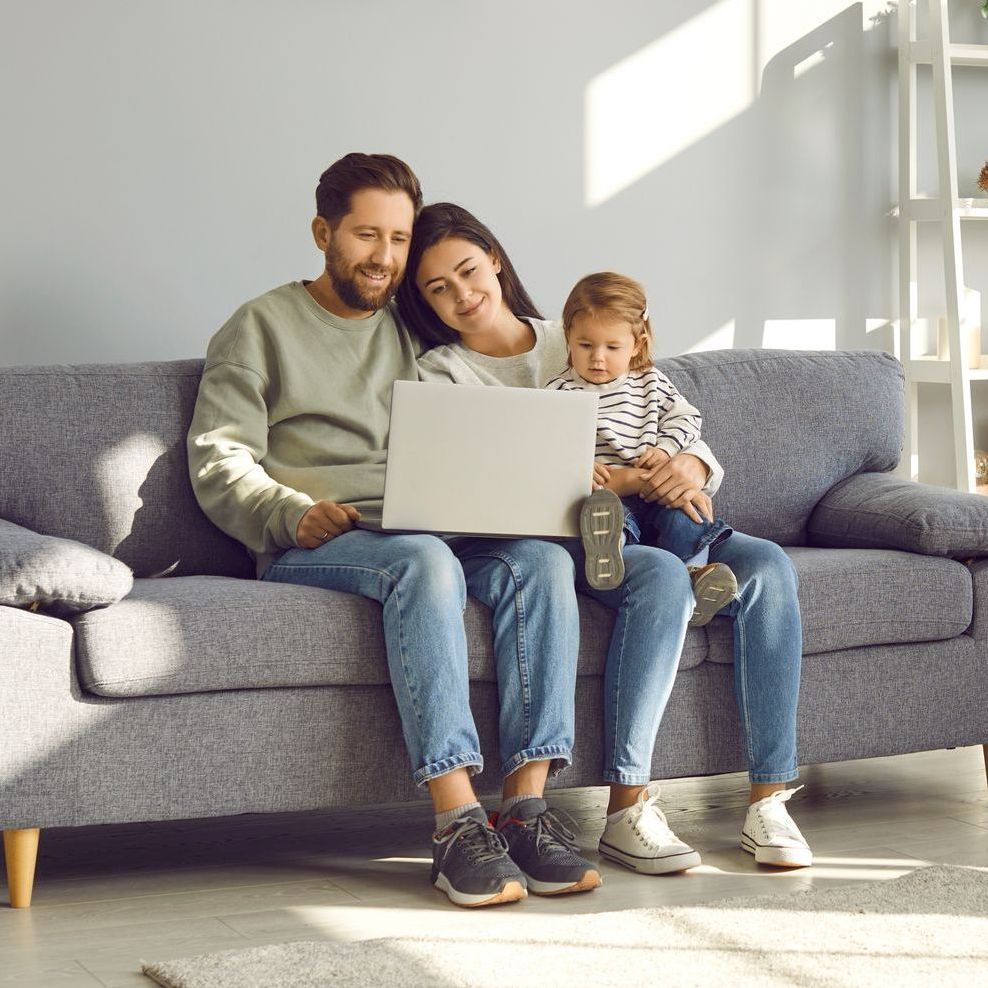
536, 559
650, 570
427, 559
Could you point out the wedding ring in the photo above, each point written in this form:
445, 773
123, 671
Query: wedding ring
324, 536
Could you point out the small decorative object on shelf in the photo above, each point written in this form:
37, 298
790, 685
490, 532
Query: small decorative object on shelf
981, 466
983, 177
984, 9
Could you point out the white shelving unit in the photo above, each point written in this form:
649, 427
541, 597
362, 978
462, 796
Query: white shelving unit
948, 210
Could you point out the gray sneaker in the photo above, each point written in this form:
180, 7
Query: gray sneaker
470, 863
545, 850
714, 587
601, 525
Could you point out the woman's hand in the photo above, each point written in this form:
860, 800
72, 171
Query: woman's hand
676, 483
601, 475
324, 521
651, 458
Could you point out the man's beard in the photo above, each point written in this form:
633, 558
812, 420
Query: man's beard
350, 291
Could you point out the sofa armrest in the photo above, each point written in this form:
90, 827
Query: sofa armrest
59, 575
881, 511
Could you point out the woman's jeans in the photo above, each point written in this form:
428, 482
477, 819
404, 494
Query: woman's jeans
651, 523
654, 605
423, 581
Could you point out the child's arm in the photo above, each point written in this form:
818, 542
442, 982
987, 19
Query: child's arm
679, 421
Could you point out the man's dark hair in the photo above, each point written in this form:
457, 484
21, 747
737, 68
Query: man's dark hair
357, 171
444, 221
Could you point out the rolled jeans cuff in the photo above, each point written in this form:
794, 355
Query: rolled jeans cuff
471, 760
626, 778
559, 756
771, 778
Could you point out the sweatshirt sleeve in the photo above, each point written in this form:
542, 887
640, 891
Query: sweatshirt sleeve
679, 421
226, 443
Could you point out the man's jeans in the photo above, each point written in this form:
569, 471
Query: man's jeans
423, 582
651, 523
654, 605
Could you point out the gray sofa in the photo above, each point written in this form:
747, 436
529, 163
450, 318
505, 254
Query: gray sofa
204, 692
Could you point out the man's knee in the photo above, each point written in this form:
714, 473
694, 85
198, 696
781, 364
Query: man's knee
427, 560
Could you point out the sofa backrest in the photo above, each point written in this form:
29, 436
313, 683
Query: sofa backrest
787, 425
96, 453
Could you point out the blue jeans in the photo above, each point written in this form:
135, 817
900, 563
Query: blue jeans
423, 581
650, 523
653, 607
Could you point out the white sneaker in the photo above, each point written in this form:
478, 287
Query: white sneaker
771, 835
640, 839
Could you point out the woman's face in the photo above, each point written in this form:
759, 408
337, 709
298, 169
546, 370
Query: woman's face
459, 281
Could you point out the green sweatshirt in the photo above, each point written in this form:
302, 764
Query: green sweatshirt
294, 408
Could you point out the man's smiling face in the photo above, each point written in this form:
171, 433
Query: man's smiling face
367, 251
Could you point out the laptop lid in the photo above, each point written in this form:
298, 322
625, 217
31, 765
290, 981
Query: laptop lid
476, 460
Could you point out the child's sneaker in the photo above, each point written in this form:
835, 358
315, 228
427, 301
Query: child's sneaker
772, 836
545, 850
601, 526
640, 838
470, 863
714, 587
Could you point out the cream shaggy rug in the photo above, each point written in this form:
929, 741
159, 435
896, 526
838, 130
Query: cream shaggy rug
927, 928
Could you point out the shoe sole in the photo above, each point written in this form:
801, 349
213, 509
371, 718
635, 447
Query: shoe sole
667, 865
713, 590
512, 891
777, 857
591, 880
601, 523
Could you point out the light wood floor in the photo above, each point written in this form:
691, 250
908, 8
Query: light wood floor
107, 897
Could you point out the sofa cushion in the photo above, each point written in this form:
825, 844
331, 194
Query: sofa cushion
60, 575
195, 634
854, 597
881, 511
110, 440
778, 422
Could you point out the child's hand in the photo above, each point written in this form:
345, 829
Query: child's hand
600, 475
653, 457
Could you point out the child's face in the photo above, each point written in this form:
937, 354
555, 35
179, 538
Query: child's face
601, 347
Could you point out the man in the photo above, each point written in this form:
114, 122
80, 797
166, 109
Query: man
287, 451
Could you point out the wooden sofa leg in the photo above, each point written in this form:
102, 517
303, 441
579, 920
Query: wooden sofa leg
20, 848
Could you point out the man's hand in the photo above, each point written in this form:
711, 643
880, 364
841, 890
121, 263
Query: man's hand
651, 458
324, 521
601, 475
676, 483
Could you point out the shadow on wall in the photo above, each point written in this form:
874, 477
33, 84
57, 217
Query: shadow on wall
767, 231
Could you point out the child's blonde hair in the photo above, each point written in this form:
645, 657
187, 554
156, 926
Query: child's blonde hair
622, 297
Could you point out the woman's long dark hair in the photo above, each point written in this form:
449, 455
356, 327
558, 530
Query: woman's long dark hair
442, 221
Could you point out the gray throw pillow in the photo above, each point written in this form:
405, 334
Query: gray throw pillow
881, 511
61, 576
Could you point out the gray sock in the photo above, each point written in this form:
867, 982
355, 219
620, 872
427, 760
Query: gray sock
444, 819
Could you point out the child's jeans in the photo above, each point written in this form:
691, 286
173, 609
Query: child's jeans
651, 523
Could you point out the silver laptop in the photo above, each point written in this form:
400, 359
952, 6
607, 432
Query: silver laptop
476, 460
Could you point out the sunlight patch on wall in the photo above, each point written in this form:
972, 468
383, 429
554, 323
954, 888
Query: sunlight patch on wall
719, 339
656, 103
800, 334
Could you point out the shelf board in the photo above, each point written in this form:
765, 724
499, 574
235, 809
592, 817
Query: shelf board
930, 209
921, 53
933, 370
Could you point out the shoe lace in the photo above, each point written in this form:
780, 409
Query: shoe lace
551, 832
776, 820
650, 822
480, 842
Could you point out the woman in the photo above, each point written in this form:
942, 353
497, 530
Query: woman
462, 293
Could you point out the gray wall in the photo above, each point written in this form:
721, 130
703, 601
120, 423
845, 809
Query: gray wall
159, 160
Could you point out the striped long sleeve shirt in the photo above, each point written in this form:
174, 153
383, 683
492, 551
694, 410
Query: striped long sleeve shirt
636, 411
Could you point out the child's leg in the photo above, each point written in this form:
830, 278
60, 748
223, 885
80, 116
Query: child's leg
714, 585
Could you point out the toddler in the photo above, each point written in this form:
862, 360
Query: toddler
642, 422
